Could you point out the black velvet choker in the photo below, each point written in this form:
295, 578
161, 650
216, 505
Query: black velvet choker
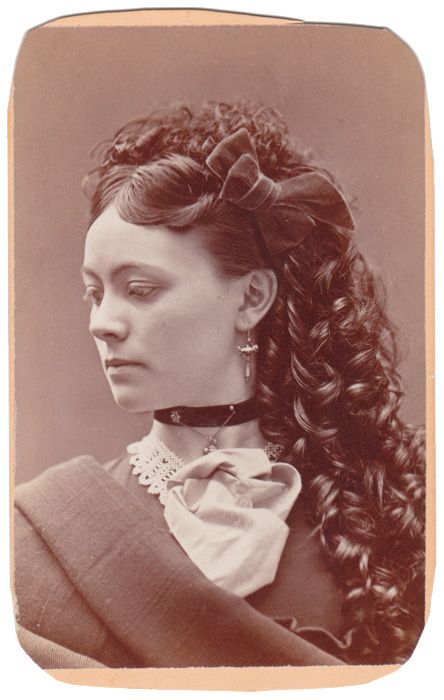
209, 416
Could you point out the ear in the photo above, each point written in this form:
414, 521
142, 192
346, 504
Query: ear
259, 293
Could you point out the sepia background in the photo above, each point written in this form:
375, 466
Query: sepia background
354, 95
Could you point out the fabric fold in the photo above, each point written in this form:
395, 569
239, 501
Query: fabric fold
227, 510
145, 592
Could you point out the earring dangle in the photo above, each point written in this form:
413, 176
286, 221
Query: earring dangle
246, 351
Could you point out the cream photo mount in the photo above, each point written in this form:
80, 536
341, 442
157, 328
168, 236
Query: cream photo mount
248, 678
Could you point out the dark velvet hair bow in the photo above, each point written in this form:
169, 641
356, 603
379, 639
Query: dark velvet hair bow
287, 210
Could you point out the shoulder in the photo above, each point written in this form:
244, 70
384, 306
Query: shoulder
38, 501
117, 463
48, 500
69, 469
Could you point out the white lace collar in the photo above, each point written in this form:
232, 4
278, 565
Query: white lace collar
154, 463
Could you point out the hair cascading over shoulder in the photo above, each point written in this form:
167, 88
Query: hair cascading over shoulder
327, 380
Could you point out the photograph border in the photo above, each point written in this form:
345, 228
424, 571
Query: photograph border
256, 678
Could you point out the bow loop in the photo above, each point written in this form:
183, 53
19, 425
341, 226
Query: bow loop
287, 210
227, 152
318, 197
246, 186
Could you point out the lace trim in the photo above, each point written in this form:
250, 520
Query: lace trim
273, 451
154, 463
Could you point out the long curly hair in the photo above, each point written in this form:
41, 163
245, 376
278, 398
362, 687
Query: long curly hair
328, 388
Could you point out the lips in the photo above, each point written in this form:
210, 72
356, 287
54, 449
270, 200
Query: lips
121, 362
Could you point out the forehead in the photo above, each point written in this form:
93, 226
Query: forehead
113, 242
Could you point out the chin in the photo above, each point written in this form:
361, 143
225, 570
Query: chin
136, 401
132, 403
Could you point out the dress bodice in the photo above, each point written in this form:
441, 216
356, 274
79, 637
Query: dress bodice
304, 596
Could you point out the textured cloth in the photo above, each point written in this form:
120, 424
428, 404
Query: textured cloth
227, 510
99, 574
48, 654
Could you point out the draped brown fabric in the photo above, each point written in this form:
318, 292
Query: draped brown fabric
100, 575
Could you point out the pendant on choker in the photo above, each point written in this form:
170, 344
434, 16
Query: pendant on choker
211, 446
209, 416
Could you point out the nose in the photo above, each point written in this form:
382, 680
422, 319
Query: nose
106, 322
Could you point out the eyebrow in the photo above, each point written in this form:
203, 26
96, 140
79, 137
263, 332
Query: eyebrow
124, 267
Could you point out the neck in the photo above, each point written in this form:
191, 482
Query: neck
188, 445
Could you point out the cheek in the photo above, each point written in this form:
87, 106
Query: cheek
207, 336
191, 329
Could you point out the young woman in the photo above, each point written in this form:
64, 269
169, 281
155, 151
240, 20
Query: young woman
274, 513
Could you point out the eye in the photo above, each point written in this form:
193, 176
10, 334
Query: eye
140, 291
93, 296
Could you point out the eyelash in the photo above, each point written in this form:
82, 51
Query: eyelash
139, 291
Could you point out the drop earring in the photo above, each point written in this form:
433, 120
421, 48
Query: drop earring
246, 351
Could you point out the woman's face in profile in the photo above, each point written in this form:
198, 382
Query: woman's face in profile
163, 319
